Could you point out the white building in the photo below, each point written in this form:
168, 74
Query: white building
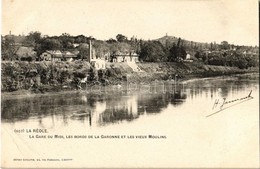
98, 63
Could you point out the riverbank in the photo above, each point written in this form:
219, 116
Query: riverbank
38, 78
185, 71
111, 89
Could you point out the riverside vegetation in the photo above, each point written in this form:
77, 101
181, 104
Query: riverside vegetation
44, 76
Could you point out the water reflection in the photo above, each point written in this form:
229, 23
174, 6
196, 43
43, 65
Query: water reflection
107, 108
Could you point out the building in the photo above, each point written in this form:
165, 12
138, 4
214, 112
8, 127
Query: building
26, 53
98, 64
69, 56
188, 56
51, 55
46, 56
125, 57
56, 55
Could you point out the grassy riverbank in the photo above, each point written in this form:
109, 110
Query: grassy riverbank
21, 78
184, 71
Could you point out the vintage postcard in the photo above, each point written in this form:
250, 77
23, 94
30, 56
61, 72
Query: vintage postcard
130, 84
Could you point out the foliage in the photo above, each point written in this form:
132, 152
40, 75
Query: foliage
121, 38
49, 44
168, 48
63, 77
66, 41
8, 49
152, 51
83, 51
232, 59
101, 48
177, 53
92, 75
33, 38
111, 40
224, 45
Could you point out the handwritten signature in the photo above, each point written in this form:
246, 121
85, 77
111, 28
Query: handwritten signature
224, 104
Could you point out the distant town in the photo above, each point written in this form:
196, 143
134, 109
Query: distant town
92, 60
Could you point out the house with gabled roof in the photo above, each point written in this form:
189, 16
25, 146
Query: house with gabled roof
26, 53
126, 56
57, 55
51, 55
70, 56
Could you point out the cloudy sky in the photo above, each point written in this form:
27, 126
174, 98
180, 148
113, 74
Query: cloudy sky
199, 20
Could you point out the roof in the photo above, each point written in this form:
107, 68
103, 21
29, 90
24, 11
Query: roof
98, 61
118, 53
46, 52
25, 52
55, 53
75, 52
58, 53
75, 45
68, 54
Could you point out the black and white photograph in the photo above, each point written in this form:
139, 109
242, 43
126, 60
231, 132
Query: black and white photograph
130, 84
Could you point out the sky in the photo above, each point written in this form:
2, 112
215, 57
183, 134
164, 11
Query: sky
235, 21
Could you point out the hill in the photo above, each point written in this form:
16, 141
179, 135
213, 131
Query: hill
167, 41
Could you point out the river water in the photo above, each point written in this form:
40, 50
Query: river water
162, 124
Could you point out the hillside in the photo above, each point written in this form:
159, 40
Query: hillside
169, 40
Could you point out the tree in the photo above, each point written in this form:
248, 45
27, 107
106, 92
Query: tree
53, 44
177, 53
179, 42
211, 46
123, 47
8, 48
92, 75
197, 55
80, 39
33, 38
111, 40
63, 76
101, 48
224, 45
121, 38
48, 44
152, 51
66, 41
83, 51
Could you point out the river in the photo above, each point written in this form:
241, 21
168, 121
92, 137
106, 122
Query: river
163, 124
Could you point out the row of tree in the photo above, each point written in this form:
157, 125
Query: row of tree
234, 59
167, 49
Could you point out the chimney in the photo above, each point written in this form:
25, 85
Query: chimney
10, 33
